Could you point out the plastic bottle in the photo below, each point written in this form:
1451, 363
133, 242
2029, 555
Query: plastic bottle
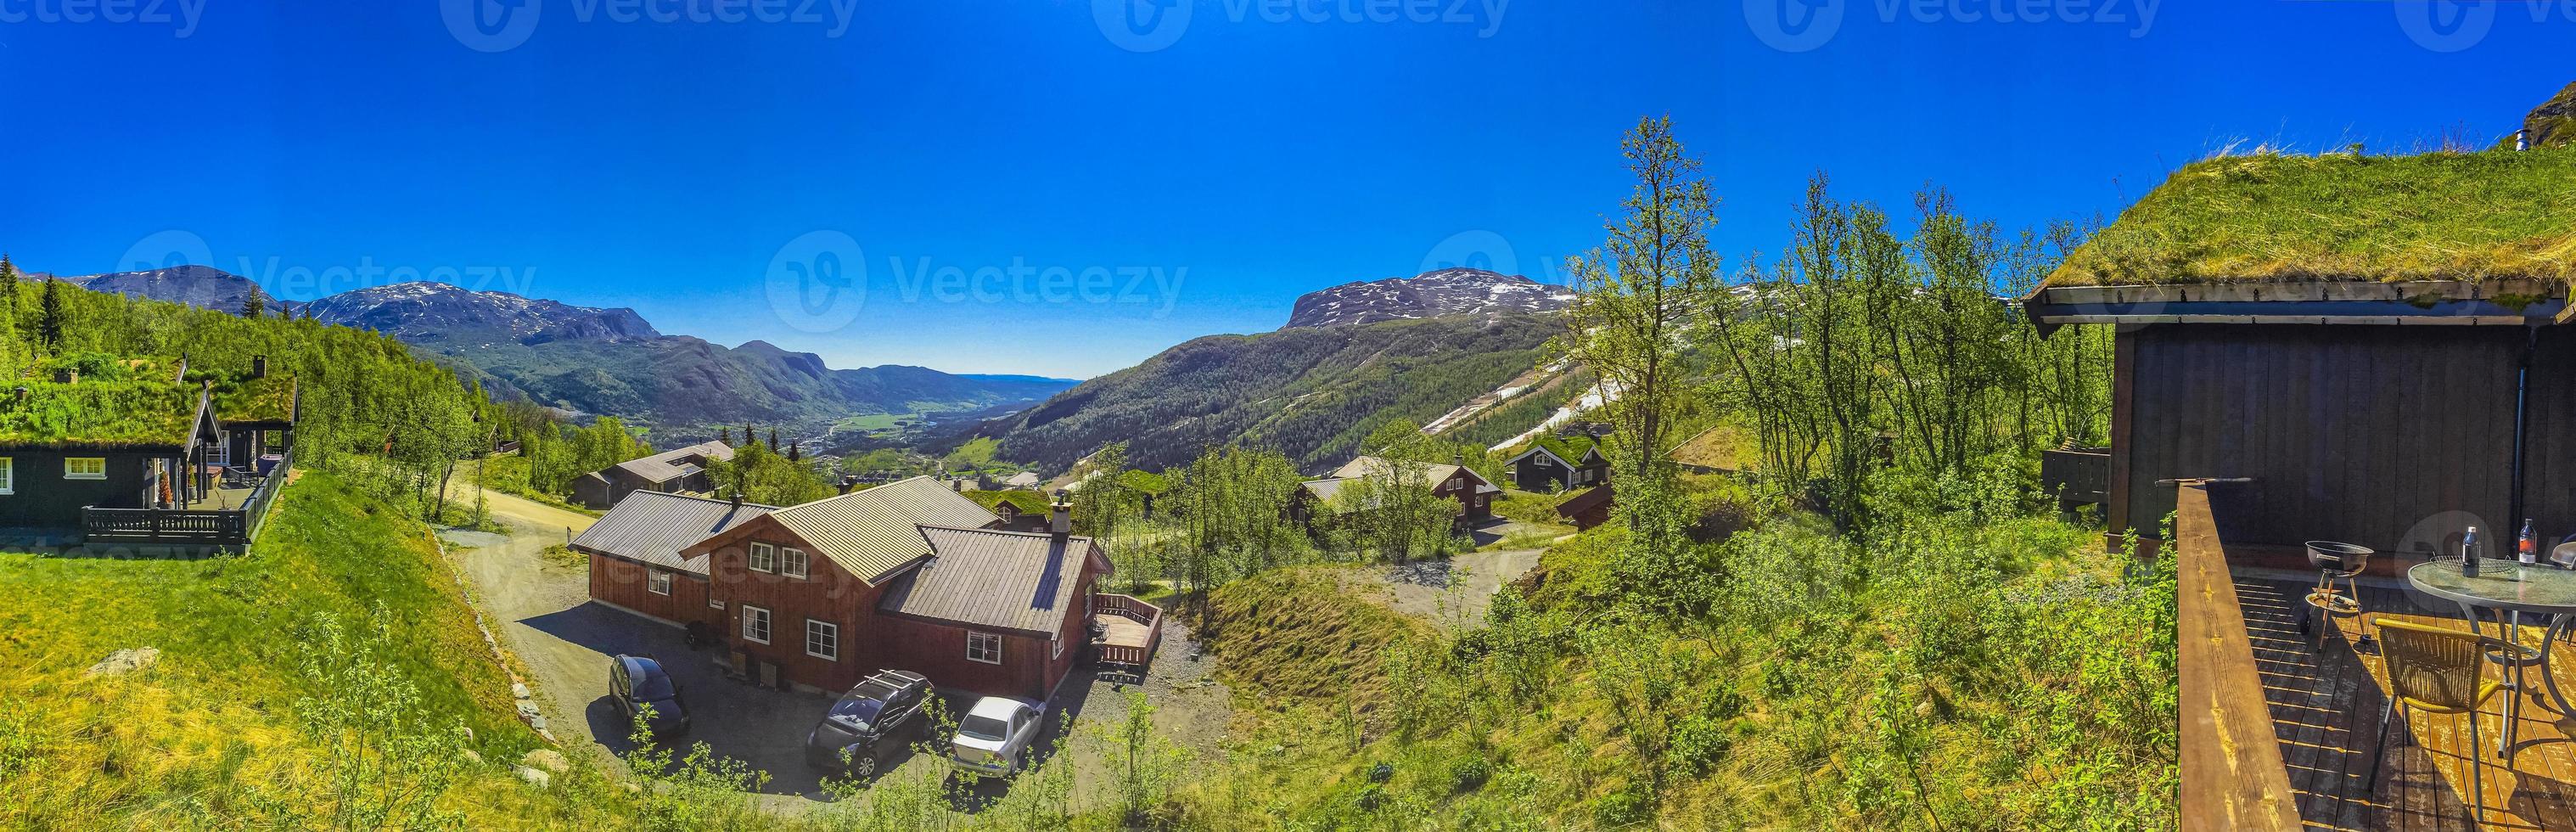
2527, 547
2469, 553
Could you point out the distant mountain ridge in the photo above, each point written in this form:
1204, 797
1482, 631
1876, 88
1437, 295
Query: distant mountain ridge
609, 361
1433, 294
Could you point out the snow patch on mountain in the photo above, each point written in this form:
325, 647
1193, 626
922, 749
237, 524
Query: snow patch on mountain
1427, 295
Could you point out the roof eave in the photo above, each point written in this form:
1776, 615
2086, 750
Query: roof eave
2507, 302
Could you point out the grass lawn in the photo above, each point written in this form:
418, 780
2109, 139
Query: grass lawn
211, 731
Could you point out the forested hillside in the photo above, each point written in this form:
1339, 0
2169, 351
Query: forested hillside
1311, 393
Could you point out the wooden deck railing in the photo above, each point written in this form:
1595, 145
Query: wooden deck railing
1135, 656
187, 527
2232, 773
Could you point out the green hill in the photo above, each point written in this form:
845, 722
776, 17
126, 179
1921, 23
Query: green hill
1312, 392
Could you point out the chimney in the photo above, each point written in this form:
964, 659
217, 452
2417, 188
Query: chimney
66, 375
21, 394
1060, 516
2522, 139
259, 366
737, 498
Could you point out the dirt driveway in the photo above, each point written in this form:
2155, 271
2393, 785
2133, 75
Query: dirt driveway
564, 640
1454, 592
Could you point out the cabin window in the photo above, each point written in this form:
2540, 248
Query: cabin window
983, 647
755, 624
8, 475
657, 582
85, 468
1055, 647
795, 563
823, 640
1008, 513
715, 603
1541, 461
764, 557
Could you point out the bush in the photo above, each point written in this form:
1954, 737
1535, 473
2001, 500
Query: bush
1469, 773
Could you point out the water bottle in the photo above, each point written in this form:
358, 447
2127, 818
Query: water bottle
2527, 548
2469, 553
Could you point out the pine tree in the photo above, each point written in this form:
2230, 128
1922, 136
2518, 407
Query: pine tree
773, 440
254, 304
8, 285
796, 452
49, 317
725, 435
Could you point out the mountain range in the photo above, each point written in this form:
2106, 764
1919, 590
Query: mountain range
609, 361
1451, 346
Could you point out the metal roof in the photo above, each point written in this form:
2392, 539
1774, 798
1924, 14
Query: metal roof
1020, 581
1435, 472
874, 533
674, 464
652, 527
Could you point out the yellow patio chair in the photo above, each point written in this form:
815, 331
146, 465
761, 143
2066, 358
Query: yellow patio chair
2437, 671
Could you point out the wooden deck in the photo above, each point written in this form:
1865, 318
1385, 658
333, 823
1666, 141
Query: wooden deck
2325, 705
1121, 631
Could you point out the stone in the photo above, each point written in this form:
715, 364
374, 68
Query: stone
472, 756
528, 710
518, 690
546, 758
535, 777
125, 661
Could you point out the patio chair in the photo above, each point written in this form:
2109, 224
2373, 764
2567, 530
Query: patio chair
2437, 671
2335, 561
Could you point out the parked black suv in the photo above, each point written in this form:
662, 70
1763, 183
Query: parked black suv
869, 723
639, 681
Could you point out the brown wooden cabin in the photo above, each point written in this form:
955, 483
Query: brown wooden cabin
1474, 495
2392, 415
909, 575
1590, 508
679, 470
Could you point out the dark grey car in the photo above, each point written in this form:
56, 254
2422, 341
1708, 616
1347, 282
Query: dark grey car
870, 723
639, 682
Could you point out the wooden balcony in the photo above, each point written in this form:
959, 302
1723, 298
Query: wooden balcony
2321, 705
217, 527
1129, 630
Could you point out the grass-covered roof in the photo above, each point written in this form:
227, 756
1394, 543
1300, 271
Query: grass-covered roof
96, 414
265, 399
2344, 217
1568, 448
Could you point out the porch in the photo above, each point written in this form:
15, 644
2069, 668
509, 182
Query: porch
2322, 705
227, 514
1124, 633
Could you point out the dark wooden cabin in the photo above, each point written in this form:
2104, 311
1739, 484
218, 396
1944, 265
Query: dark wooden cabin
1554, 463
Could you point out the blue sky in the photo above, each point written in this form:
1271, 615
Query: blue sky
1205, 172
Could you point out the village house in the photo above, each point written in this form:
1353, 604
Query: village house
1473, 494
1559, 463
143, 451
910, 575
682, 470
1589, 508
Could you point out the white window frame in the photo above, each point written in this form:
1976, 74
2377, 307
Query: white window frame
763, 638
763, 558
8, 475
795, 563
70, 474
715, 603
973, 637
657, 581
1057, 645
830, 631
222, 454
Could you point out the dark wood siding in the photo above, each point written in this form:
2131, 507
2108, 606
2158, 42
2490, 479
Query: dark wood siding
43, 498
2378, 435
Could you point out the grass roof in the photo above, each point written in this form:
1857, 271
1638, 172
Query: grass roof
266, 399
2435, 216
96, 414
1570, 449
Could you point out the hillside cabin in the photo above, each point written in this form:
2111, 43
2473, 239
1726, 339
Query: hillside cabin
678, 471
2373, 350
1472, 492
910, 575
141, 451
1553, 463
1588, 509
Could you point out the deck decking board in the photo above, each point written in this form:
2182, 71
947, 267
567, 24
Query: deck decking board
2325, 704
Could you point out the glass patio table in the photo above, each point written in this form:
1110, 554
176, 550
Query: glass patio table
2508, 586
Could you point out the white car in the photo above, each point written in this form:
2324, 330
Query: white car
994, 738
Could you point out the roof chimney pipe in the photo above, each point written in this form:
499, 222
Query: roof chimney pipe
66, 375
1060, 516
259, 366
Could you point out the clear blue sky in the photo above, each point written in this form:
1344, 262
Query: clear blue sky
664, 165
